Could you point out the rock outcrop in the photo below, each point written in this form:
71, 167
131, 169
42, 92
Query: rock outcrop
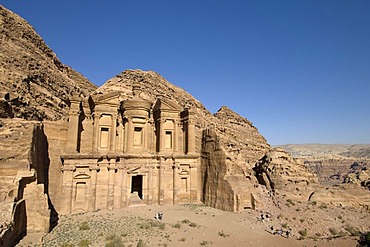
279, 172
34, 84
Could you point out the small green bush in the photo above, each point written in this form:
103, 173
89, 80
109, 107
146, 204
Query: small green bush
364, 240
66, 245
290, 201
354, 231
114, 241
313, 203
141, 243
84, 243
185, 221
192, 224
222, 234
333, 231
177, 225
84, 226
303, 232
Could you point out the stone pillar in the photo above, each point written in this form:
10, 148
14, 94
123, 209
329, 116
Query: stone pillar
112, 144
175, 136
118, 189
120, 143
92, 196
146, 136
124, 201
191, 133
161, 183
73, 124
180, 138
175, 168
110, 199
150, 184
151, 137
193, 183
125, 136
130, 135
67, 188
161, 135
96, 132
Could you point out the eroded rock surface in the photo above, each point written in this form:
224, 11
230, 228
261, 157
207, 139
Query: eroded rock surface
34, 84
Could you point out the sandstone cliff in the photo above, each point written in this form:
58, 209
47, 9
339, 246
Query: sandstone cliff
34, 84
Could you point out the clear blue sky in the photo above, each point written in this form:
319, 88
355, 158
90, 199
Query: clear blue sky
299, 70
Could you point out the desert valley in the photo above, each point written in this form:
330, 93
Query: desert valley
82, 165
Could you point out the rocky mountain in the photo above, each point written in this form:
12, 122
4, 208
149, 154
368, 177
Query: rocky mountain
328, 150
34, 84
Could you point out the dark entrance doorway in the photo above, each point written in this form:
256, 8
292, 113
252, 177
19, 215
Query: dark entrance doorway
137, 185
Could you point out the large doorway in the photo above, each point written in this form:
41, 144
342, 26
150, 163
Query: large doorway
137, 185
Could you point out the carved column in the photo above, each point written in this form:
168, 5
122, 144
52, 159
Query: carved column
120, 147
175, 136
113, 133
96, 132
92, 196
161, 183
146, 136
161, 134
191, 133
73, 124
130, 135
180, 138
150, 184
67, 187
151, 136
124, 201
110, 199
193, 183
118, 189
175, 168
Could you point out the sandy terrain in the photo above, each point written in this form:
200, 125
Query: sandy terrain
185, 225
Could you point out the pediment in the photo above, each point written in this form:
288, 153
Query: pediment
134, 170
111, 98
166, 105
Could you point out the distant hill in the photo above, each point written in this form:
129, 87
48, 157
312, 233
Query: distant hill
327, 150
34, 84
334, 163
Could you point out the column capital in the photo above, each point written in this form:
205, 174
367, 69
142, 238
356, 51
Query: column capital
94, 168
68, 168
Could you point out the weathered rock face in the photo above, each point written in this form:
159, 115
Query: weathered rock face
34, 84
23, 179
279, 172
345, 195
359, 174
332, 163
342, 169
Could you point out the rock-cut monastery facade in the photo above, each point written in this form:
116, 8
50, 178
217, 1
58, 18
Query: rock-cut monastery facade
128, 152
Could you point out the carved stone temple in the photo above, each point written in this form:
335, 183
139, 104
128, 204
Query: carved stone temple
128, 152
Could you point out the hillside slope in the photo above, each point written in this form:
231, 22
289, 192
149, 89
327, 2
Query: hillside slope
34, 84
